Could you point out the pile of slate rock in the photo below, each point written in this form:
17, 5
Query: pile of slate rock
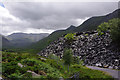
93, 49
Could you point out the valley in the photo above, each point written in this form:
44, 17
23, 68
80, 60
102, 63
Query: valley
64, 54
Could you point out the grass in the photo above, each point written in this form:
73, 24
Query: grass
47, 68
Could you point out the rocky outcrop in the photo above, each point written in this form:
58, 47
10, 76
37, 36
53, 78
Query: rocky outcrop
94, 50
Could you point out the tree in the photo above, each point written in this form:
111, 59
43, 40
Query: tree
102, 28
67, 57
69, 39
70, 36
113, 26
115, 30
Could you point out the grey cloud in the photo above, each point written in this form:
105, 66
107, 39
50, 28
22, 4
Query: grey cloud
55, 16
38, 10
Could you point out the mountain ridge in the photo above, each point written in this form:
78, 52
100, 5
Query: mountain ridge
22, 40
88, 25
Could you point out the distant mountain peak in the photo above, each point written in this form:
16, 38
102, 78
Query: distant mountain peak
71, 27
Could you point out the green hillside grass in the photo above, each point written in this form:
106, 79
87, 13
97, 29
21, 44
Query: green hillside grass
49, 69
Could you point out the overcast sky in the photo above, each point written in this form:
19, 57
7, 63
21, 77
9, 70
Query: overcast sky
46, 17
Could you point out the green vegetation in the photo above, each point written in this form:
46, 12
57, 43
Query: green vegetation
47, 68
67, 57
37, 47
77, 60
113, 27
70, 36
69, 39
115, 30
102, 28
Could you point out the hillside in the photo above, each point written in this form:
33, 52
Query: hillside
4, 42
22, 39
32, 37
25, 66
90, 24
93, 49
93, 22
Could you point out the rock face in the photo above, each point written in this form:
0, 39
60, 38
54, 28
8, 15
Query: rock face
94, 50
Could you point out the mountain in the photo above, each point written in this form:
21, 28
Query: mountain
4, 42
90, 24
23, 39
93, 22
32, 37
71, 28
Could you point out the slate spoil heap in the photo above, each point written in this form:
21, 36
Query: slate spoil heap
93, 49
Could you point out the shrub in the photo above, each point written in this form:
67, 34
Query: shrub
70, 36
29, 62
9, 68
22, 70
15, 76
18, 58
54, 64
53, 76
115, 30
54, 57
113, 26
76, 60
27, 75
67, 57
102, 28
86, 34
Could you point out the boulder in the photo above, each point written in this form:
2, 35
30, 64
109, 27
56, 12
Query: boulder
19, 64
33, 73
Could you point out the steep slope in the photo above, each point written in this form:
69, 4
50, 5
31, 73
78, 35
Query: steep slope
93, 49
40, 45
90, 24
71, 28
93, 22
4, 42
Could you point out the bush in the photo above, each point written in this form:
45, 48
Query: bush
115, 30
53, 76
10, 68
29, 62
18, 58
102, 28
15, 76
54, 57
70, 36
113, 26
76, 60
67, 57
27, 75
54, 64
